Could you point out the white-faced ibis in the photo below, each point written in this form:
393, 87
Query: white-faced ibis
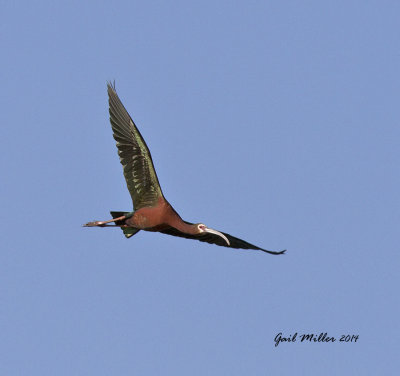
152, 212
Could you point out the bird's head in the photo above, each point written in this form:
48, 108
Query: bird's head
202, 229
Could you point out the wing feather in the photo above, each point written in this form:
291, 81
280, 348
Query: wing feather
215, 239
140, 175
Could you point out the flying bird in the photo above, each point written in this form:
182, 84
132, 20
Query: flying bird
151, 211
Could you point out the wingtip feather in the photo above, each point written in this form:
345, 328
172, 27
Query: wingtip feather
274, 253
111, 85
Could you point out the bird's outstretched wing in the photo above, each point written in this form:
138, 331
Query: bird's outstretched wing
215, 239
134, 155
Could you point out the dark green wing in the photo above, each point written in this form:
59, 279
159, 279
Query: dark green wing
215, 239
134, 155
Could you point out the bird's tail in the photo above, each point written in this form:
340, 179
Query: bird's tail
128, 231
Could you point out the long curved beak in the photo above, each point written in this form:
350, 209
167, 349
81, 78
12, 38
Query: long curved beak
211, 231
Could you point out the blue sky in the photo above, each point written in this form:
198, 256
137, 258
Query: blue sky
274, 121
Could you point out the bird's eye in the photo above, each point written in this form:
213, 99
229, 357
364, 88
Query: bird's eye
202, 227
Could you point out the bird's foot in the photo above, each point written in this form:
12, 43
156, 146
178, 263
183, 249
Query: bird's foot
94, 224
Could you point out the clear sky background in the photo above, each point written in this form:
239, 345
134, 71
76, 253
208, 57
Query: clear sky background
274, 121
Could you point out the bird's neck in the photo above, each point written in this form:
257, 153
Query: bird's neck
186, 228
175, 220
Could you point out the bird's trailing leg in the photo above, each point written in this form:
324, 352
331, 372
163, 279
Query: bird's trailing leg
103, 223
